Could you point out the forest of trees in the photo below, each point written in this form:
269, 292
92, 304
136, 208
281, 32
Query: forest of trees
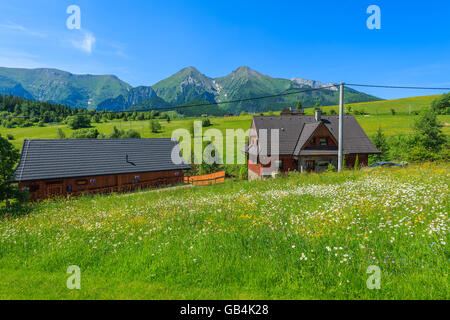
19, 112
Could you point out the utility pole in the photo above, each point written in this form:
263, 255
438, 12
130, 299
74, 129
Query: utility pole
341, 128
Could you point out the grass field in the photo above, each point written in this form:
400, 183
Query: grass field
303, 237
401, 106
379, 116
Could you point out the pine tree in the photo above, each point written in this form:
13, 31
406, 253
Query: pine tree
356, 167
429, 131
379, 140
61, 135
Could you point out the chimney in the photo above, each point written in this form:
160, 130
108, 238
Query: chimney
318, 115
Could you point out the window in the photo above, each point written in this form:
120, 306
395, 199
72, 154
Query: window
323, 164
93, 180
34, 188
81, 182
279, 164
313, 141
323, 142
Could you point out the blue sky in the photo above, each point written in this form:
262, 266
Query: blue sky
143, 42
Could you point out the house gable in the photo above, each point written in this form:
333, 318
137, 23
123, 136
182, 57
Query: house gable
321, 132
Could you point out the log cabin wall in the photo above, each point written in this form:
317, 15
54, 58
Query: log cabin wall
350, 160
45, 189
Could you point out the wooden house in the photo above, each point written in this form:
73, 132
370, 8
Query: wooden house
52, 168
306, 144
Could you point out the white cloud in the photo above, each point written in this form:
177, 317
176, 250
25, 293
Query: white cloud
84, 43
19, 28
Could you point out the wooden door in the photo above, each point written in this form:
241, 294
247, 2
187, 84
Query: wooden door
54, 189
310, 166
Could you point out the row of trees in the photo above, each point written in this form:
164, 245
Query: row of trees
93, 133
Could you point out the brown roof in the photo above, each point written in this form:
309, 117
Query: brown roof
296, 130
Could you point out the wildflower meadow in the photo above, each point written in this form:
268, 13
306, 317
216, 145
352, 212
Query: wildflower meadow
306, 236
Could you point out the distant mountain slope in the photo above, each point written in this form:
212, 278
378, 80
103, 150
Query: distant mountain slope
9, 86
107, 92
134, 97
84, 91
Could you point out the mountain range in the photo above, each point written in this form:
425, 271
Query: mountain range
108, 92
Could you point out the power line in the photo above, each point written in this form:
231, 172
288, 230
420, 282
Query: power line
199, 104
393, 87
292, 92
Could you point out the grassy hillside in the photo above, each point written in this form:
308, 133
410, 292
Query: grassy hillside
304, 237
401, 106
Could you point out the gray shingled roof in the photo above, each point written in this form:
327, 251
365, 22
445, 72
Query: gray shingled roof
57, 159
292, 127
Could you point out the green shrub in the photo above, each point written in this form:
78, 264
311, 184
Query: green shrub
121, 134
419, 153
131, 134
243, 173
61, 135
155, 126
206, 123
79, 122
85, 134
442, 104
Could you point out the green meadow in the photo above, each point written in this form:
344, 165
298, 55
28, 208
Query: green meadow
401, 106
391, 125
306, 236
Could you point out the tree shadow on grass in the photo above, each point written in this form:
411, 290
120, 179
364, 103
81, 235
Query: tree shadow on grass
16, 211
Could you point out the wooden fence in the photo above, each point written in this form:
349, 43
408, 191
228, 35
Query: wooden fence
213, 178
